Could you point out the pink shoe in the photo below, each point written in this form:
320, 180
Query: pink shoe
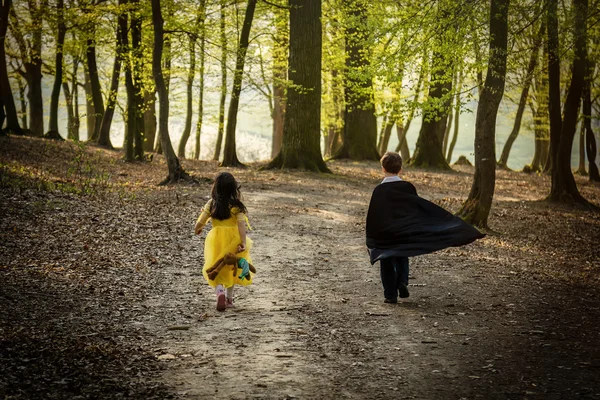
230, 303
221, 301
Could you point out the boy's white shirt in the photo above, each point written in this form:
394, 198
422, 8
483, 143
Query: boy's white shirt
389, 179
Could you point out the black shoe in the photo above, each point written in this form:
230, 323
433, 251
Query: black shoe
391, 301
403, 291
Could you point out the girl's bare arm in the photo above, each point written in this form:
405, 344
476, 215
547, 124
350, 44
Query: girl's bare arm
242, 230
201, 222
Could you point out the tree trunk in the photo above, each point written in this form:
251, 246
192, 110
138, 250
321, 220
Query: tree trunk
74, 135
166, 68
136, 51
502, 163
104, 135
96, 89
176, 172
89, 104
202, 19
590, 139
230, 158
334, 130
456, 117
553, 83
58, 76
302, 127
536, 163
564, 189
7, 102
70, 114
428, 152
217, 153
402, 131
581, 168
33, 68
130, 116
279, 80
23, 102
34, 95
149, 119
476, 208
187, 129
359, 137
449, 124
386, 134
540, 119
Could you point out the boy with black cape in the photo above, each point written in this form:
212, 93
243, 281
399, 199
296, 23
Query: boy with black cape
400, 224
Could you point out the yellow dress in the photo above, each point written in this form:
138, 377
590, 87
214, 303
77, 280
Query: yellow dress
224, 237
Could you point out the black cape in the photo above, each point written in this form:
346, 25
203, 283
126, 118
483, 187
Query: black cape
402, 224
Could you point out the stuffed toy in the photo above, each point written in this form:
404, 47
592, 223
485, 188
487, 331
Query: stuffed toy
231, 260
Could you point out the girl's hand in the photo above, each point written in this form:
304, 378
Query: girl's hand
198, 229
241, 248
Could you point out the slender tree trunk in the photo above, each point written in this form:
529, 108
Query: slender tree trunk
187, 129
476, 208
149, 119
553, 83
138, 88
581, 168
359, 138
34, 95
449, 124
564, 189
33, 69
590, 139
279, 80
70, 114
502, 163
302, 127
23, 102
202, 11
402, 131
176, 172
217, 153
96, 89
166, 63
7, 102
540, 119
130, 118
335, 128
53, 132
456, 117
386, 135
230, 158
75, 93
536, 163
89, 104
104, 135
428, 151
384, 121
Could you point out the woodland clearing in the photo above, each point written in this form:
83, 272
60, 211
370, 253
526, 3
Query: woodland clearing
102, 296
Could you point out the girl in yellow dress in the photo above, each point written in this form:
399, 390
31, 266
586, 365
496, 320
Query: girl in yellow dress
228, 235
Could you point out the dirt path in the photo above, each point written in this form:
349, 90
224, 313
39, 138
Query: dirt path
314, 324
102, 296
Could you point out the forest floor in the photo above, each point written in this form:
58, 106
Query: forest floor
102, 296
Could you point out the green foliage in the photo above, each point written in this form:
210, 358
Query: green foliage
400, 40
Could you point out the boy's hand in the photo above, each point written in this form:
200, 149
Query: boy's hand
241, 248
